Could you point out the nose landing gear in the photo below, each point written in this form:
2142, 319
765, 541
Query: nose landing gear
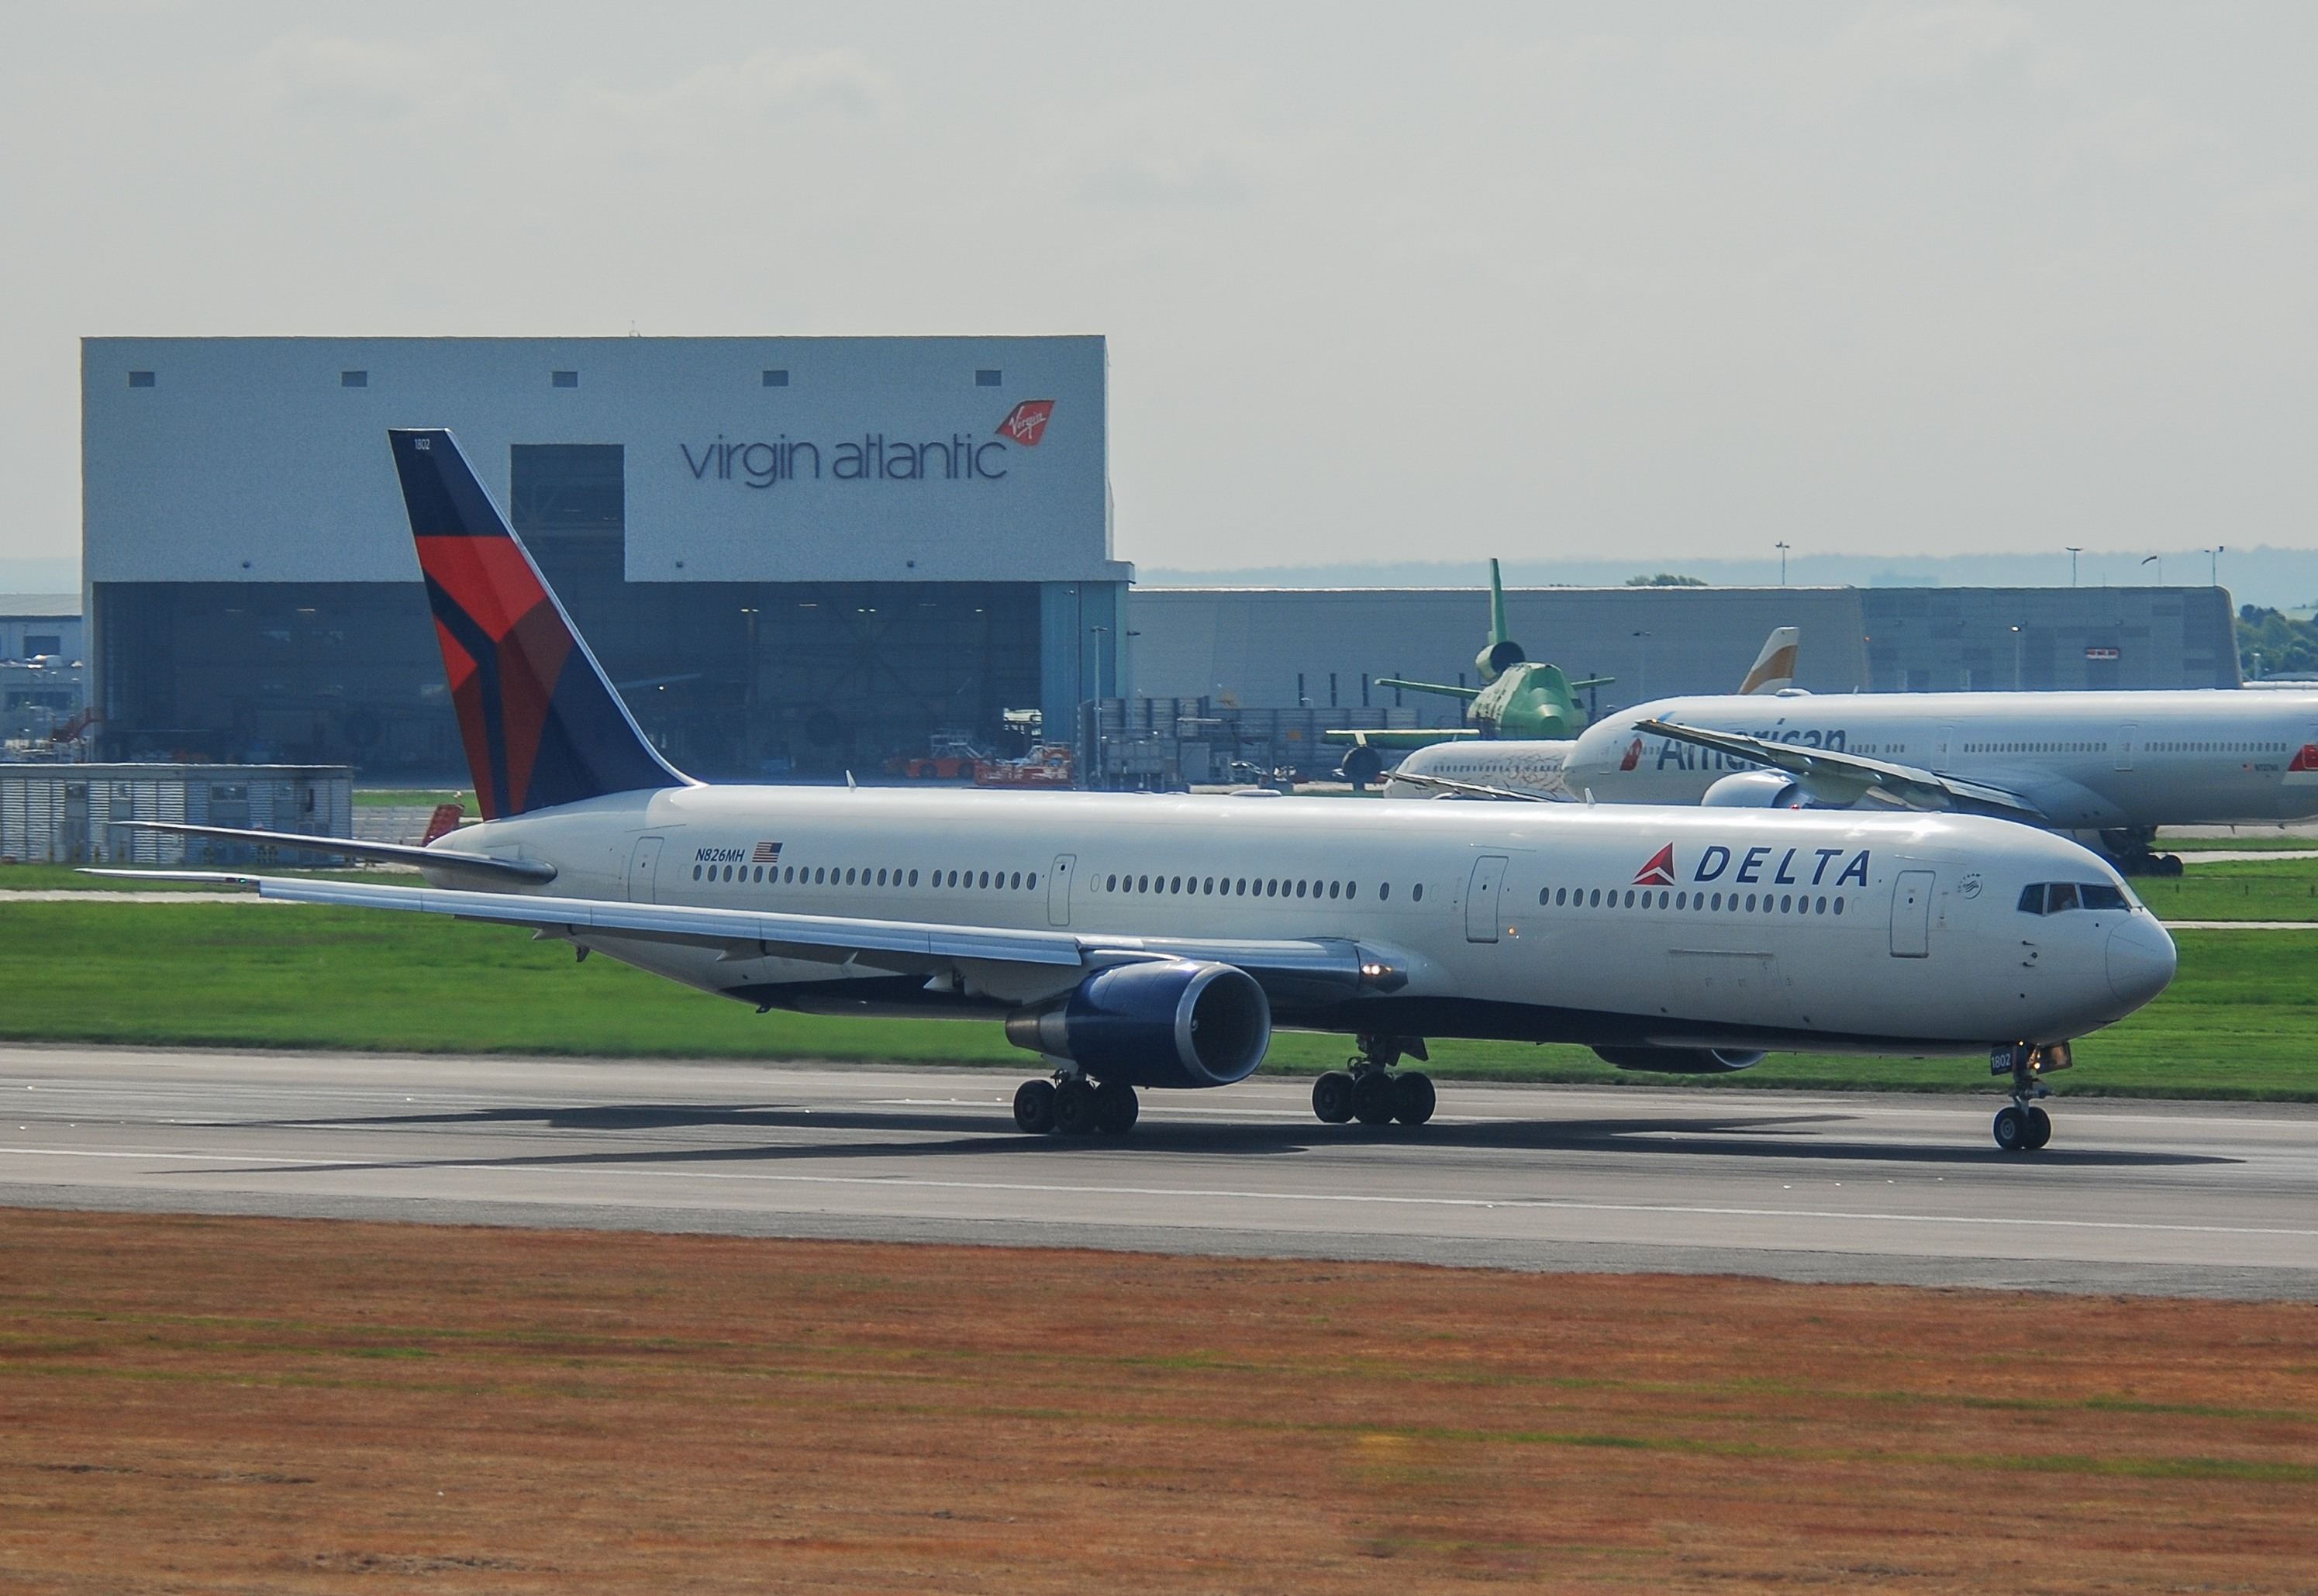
2024, 1127
1369, 1091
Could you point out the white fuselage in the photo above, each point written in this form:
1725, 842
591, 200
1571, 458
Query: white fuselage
1847, 931
1534, 766
2091, 761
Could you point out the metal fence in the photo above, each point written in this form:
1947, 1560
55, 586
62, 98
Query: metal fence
66, 815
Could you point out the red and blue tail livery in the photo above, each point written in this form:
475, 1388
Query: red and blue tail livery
542, 725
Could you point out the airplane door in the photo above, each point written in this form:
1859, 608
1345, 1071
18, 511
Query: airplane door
1943, 745
1481, 898
2124, 736
644, 864
1911, 915
1058, 888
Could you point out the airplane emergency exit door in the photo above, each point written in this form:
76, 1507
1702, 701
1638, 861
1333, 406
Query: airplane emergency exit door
1911, 915
1481, 910
643, 865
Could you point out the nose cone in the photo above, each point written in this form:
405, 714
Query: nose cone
2139, 959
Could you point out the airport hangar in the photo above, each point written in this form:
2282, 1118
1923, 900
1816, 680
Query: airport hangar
801, 556
1327, 648
795, 555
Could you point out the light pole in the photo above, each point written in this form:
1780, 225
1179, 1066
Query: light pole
1099, 634
2159, 561
2213, 564
1783, 562
2016, 658
2074, 550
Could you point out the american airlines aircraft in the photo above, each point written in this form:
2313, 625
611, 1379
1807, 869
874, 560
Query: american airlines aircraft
1139, 942
1531, 768
2113, 765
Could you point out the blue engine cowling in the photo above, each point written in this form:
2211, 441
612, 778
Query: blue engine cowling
1681, 1061
1168, 1022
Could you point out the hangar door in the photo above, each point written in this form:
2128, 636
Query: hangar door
1911, 915
1481, 898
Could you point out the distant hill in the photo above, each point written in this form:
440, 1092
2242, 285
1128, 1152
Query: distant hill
2278, 579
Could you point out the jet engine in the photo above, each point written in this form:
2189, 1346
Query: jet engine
1495, 660
1681, 1061
1758, 789
1171, 1022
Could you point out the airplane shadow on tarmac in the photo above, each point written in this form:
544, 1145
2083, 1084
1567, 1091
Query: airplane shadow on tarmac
1785, 1137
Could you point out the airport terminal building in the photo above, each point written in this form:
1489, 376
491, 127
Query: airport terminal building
795, 555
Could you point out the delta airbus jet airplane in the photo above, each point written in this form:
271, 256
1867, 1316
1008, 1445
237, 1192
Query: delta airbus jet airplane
1138, 941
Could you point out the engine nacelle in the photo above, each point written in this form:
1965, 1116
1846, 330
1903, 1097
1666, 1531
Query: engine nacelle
1169, 1022
1756, 789
1495, 660
1681, 1061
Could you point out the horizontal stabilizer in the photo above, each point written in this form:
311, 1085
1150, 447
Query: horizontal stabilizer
510, 871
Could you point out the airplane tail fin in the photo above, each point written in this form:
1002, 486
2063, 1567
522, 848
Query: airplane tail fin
1775, 667
1502, 652
542, 724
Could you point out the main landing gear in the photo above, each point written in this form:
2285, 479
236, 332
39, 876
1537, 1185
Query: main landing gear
2024, 1127
1369, 1090
1077, 1106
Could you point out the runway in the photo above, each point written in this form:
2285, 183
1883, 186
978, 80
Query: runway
2189, 1198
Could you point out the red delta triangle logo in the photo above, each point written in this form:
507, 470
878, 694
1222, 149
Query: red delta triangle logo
1659, 871
1025, 423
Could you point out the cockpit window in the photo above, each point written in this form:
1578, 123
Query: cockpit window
2056, 897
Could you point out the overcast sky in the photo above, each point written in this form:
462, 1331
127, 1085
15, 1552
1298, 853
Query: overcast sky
1425, 280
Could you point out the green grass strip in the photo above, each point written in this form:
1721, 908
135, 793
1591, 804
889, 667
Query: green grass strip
2235, 1024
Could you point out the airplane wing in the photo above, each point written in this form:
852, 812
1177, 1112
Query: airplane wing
1405, 739
1468, 694
1283, 967
1447, 788
1835, 776
511, 871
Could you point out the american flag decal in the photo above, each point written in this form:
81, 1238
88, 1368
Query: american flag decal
766, 853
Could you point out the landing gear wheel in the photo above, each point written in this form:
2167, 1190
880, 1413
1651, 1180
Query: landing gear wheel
1412, 1097
1332, 1097
1034, 1107
1116, 1107
1074, 1108
1372, 1098
2014, 1132
2039, 1128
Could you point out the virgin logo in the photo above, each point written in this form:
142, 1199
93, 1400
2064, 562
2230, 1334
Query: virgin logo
1025, 423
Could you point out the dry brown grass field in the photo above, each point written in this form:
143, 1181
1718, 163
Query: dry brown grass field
258, 1405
